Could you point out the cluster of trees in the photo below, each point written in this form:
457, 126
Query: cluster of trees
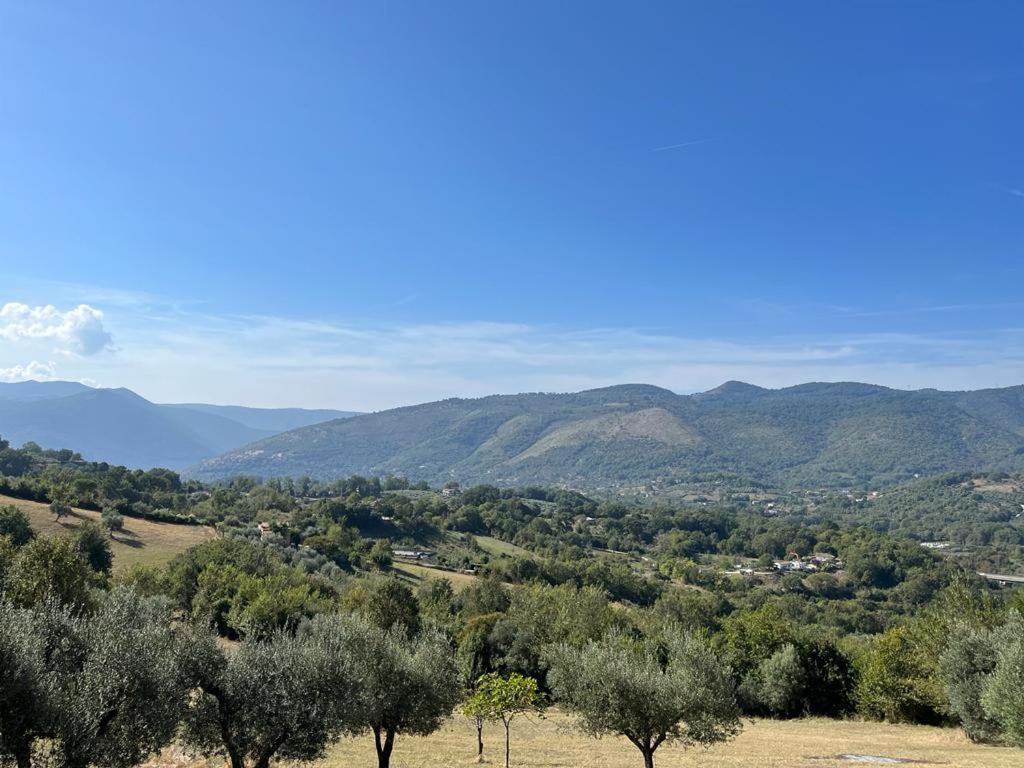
977, 514
111, 685
961, 660
108, 683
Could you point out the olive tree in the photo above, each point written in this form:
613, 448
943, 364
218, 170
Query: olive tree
112, 520
24, 685
60, 508
965, 665
616, 685
116, 693
1003, 696
401, 684
276, 698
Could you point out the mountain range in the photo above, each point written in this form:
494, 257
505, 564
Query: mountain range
121, 427
819, 434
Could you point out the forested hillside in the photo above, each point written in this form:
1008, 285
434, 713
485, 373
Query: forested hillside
636, 435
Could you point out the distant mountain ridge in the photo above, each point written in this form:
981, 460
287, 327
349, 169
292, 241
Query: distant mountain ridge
816, 434
120, 427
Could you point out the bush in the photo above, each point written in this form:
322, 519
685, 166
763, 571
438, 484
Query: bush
896, 683
46, 570
776, 686
14, 524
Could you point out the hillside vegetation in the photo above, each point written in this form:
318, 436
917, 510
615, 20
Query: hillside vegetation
637, 435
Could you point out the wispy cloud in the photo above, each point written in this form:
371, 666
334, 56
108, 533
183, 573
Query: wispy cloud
682, 144
169, 353
1009, 190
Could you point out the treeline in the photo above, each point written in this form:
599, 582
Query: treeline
339, 529
978, 515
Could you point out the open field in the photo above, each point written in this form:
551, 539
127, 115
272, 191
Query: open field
141, 541
497, 547
417, 573
813, 743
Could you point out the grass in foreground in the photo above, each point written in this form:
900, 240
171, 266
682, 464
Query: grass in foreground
813, 743
141, 541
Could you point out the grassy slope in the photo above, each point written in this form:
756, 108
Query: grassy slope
416, 573
497, 547
766, 744
141, 541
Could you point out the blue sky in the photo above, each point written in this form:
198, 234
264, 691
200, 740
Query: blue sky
362, 205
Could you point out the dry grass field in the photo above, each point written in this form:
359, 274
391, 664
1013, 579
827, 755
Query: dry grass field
815, 743
141, 541
416, 573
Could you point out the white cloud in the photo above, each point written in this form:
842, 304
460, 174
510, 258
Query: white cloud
34, 370
79, 330
171, 352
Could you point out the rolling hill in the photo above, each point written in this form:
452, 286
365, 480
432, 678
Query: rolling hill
140, 541
814, 435
120, 427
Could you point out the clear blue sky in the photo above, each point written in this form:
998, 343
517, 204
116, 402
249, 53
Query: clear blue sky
739, 187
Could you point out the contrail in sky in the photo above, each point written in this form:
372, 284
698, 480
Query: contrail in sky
683, 144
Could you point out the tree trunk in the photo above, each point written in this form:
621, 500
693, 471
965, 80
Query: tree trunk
23, 756
479, 739
506, 744
646, 745
384, 747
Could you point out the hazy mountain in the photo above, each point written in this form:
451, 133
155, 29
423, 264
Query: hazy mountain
271, 420
40, 390
120, 427
813, 434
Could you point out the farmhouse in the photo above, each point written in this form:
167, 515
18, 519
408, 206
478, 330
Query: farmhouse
413, 554
794, 564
